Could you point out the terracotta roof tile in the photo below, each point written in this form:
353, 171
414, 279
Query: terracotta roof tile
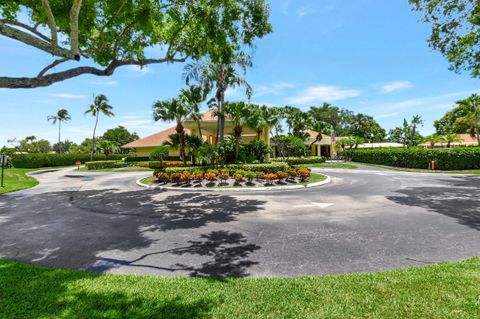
153, 140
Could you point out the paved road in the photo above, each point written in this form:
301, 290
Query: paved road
365, 220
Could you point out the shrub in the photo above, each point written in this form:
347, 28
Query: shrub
100, 165
260, 176
270, 178
239, 175
257, 150
37, 160
459, 158
175, 178
162, 177
292, 174
250, 176
282, 176
159, 153
265, 168
211, 177
129, 159
151, 164
186, 177
198, 176
120, 164
304, 174
223, 176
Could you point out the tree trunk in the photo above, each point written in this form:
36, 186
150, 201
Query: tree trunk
59, 128
93, 137
238, 136
478, 136
220, 104
199, 130
181, 136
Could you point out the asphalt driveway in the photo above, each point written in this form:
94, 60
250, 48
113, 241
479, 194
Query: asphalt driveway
367, 219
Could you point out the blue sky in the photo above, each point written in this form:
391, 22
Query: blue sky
369, 56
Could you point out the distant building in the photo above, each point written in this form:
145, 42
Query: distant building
467, 140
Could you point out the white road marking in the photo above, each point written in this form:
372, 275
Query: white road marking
314, 204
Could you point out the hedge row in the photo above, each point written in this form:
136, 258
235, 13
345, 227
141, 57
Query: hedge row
301, 160
264, 168
37, 160
459, 158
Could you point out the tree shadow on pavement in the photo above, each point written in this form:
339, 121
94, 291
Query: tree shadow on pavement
69, 229
457, 197
229, 252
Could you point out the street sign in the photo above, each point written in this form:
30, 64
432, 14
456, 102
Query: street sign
4, 159
3, 162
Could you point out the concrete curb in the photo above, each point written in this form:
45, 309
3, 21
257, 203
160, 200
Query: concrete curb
239, 189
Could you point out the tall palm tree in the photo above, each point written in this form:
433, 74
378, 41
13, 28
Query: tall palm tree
100, 105
239, 114
263, 117
416, 120
194, 96
433, 139
61, 116
220, 76
174, 110
319, 127
473, 118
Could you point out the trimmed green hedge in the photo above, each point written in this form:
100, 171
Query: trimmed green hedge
101, 164
301, 160
37, 160
459, 158
265, 168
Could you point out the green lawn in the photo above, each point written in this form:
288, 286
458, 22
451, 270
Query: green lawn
16, 179
330, 165
441, 291
416, 170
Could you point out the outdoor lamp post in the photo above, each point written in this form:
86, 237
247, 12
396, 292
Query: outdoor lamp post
371, 138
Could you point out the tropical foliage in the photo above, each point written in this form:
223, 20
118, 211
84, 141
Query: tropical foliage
99, 106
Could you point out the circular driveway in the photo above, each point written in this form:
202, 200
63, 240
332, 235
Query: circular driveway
367, 219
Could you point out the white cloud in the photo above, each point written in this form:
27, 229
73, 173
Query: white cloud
385, 115
395, 86
67, 96
324, 94
432, 103
110, 83
138, 70
303, 11
275, 88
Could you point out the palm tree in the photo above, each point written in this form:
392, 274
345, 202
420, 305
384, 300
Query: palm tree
174, 110
61, 116
221, 76
239, 113
107, 147
433, 139
473, 118
450, 138
194, 96
100, 105
416, 120
319, 127
263, 117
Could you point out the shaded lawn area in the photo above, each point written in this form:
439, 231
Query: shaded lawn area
440, 291
329, 165
314, 178
15, 179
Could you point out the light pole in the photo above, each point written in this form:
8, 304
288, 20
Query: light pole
371, 138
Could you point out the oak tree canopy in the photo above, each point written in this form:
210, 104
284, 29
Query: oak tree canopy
114, 33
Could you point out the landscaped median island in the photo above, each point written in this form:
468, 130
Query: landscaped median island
448, 290
276, 174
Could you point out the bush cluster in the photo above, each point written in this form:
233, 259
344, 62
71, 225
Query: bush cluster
265, 168
459, 158
101, 164
37, 160
301, 160
239, 175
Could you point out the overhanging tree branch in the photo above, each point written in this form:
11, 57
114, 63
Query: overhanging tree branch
46, 80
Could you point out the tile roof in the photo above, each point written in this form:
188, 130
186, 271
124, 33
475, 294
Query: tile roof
153, 140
